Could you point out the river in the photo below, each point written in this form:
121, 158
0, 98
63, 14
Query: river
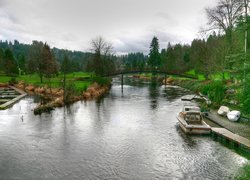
129, 134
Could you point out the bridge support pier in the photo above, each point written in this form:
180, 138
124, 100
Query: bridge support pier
122, 81
165, 80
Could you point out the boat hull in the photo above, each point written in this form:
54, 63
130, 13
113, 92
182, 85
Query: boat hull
193, 129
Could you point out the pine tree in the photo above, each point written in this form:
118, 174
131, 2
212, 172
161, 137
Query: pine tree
21, 62
154, 55
10, 65
1, 59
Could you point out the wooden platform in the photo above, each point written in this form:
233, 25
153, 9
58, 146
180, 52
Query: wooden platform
228, 135
14, 99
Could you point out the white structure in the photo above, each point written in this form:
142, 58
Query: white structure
223, 110
233, 115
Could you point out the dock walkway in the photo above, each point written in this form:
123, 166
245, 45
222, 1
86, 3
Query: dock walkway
236, 139
241, 129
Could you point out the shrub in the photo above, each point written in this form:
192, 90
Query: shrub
70, 91
102, 81
216, 91
13, 81
244, 173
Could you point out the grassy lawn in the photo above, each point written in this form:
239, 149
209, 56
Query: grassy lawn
34, 79
215, 76
201, 77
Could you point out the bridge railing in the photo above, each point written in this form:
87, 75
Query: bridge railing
148, 70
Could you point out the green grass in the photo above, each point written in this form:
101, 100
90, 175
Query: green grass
215, 77
55, 82
244, 173
200, 77
191, 72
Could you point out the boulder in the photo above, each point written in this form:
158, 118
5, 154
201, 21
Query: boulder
230, 91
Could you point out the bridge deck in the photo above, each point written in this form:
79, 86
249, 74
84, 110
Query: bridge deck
115, 73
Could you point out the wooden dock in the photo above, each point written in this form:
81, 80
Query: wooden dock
231, 137
15, 98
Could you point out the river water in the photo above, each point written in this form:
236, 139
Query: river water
129, 134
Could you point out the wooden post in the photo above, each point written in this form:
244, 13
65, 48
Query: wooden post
122, 81
165, 79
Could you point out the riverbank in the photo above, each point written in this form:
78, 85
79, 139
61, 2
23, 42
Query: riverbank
54, 97
242, 127
79, 86
136, 125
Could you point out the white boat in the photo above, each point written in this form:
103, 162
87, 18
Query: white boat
233, 115
223, 110
191, 121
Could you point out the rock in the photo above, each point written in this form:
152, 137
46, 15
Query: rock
230, 91
234, 102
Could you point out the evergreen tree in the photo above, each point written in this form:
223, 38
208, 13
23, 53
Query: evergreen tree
10, 65
49, 65
154, 55
22, 62
1, 59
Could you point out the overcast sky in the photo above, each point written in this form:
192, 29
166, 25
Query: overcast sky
128, 24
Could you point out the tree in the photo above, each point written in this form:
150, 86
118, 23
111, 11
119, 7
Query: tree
225, 15
10, 65
102, 57
34, 64
41, 60
1, 59
48, 64
65, 70
21, 63
154, 55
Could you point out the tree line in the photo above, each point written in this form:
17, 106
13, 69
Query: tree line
21, 55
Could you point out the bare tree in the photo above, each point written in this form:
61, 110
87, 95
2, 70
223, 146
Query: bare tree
101, 47
102, 51
224, 16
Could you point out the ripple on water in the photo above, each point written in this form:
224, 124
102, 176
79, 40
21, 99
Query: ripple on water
130, 134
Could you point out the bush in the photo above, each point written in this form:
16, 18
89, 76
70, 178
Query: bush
70, 91
13, 81
244, 173
102, 81
216, 92
245, 99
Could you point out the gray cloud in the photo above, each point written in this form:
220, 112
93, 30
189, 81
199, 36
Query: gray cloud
129, 25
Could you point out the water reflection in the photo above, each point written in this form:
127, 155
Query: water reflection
153, 94
129, 135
